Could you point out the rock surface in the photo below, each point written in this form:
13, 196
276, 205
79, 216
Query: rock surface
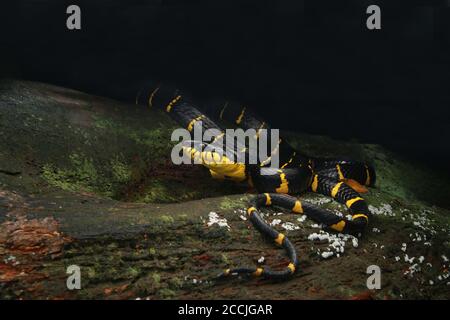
88, 181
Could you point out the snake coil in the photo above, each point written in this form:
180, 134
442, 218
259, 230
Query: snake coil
337, 178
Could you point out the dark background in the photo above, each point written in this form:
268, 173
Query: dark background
309, 66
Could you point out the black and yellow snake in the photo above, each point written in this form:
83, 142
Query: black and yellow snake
297, 173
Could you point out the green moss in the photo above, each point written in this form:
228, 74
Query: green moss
166, 191
230, 204
133, 272
91, 273
121, 171
156, 138
175, 283
83, 168
225, 259
81, 175
156, 278
103, 123
57, 178
166, 293
157, 191
167, 219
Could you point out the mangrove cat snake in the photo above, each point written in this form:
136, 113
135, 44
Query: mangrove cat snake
297, 173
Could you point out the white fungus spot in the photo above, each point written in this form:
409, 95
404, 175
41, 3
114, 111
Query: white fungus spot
215, 219
403, 247
289, 226
275, 222
327, 254
385, 209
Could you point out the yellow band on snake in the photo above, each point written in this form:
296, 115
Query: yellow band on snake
352, 201
336, 189
297, 207
171, 103
359, 215
338, 226
279, 239
315, 183
291, 267
241, 115
258, 272
268, 199
250, 210
340, 174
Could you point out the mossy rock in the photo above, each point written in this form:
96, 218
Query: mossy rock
87, 181
56, 137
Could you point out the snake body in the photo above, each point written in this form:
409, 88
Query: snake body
297, 173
